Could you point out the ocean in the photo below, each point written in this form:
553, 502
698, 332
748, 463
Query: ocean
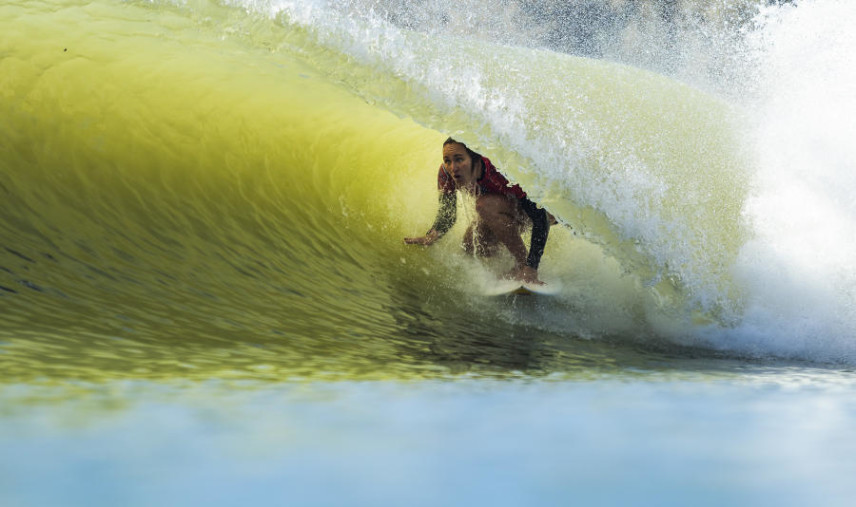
205, 297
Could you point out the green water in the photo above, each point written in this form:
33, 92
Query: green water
204, 296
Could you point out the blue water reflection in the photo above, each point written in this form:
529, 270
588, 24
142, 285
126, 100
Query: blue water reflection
779, 440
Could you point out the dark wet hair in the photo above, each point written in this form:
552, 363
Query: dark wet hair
473, 155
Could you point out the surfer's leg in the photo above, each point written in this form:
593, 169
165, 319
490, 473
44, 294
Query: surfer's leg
468, 242
479, 240
499, 220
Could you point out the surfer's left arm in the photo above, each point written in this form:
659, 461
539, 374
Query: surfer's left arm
540, 231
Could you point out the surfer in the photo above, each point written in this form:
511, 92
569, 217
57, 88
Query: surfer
502, 212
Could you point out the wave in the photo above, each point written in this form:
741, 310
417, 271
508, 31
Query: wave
184, 179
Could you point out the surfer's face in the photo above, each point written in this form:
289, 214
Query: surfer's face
459, 165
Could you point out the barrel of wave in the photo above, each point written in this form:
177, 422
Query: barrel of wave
157, 131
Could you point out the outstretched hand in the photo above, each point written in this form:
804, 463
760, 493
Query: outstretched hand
524, 274
425, 240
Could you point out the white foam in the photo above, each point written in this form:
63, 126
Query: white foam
799, 269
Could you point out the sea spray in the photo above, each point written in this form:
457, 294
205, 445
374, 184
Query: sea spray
799, 268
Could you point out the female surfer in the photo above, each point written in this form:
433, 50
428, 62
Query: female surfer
501, 211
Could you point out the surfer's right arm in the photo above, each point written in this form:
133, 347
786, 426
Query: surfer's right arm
446, 216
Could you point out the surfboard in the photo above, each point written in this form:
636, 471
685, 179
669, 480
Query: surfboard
515, 288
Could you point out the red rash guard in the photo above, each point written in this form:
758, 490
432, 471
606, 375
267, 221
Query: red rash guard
491, 182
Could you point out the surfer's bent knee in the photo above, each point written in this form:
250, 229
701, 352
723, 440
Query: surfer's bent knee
468, 242
479, 241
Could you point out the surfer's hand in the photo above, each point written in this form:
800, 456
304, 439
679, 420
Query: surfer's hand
525, 274
425, 240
